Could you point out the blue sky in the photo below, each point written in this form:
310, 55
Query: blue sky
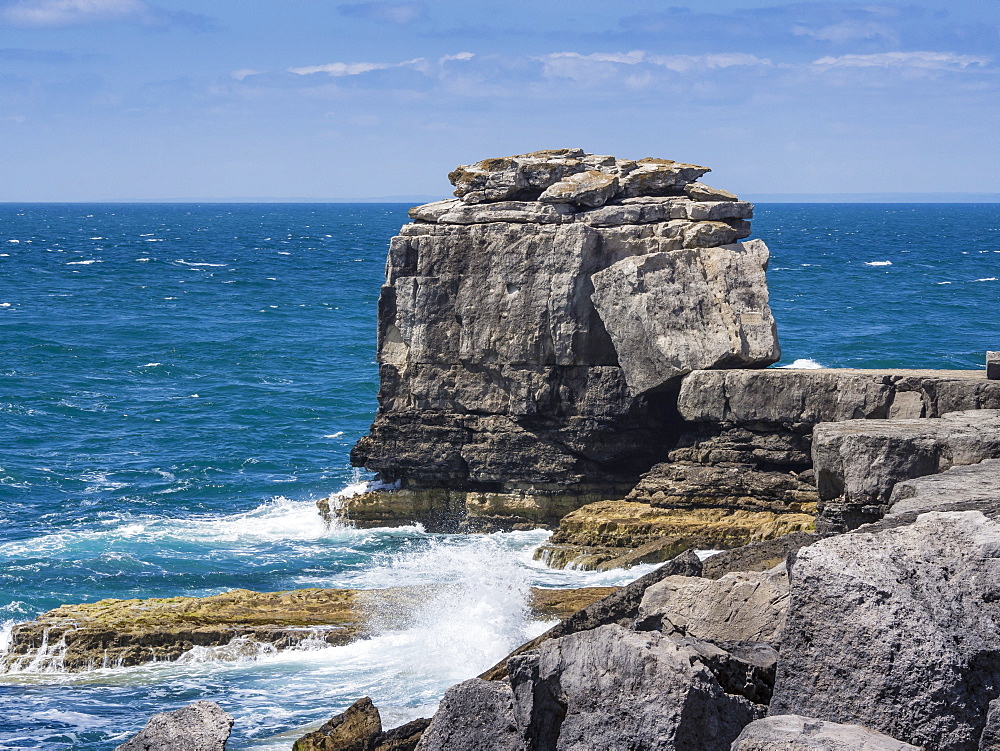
150, 99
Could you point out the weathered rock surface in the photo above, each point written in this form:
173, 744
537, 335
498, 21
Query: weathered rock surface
959, 485
757, 556
646, 305
359, 728
608, 688
472, 716
233, 625
797, 733
738, 607
616, 689
201, 726
896, 629
504, 400
603, 532
748, 437
858, 462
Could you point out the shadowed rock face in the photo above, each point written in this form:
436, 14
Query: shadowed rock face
511, 355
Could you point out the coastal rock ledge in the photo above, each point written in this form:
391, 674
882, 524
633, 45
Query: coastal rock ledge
533, 332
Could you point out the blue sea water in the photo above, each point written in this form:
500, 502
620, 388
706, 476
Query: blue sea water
180, 383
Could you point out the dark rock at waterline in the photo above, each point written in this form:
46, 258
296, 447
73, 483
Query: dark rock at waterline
359, 728
797, 733
896, 627
356, 729
608, 688
201, 726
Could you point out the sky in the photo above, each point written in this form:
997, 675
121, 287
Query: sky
222, 99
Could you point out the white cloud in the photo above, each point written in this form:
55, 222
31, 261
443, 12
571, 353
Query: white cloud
606, 65
918, 60
456, 56
69, 12
356, 69
77, 12
242, 73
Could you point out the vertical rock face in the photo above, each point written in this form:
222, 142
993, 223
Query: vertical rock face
516, 326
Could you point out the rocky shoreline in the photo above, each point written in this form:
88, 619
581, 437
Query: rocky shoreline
581, 342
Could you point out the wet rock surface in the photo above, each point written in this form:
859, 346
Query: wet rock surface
233, 625
201, 726
611, 533
359, 728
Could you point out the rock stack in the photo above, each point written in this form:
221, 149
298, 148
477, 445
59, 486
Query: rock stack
533, 331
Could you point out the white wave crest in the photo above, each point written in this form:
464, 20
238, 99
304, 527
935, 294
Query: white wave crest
83, 263
804, 363
878, 263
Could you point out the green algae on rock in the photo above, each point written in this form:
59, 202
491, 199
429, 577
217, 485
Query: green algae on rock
233, 625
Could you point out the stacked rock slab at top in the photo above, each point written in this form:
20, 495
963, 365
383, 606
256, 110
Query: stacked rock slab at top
533, 331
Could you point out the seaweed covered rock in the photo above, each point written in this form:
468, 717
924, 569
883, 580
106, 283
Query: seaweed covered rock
512, 387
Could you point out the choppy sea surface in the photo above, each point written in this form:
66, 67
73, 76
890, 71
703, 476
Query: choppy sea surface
180, 383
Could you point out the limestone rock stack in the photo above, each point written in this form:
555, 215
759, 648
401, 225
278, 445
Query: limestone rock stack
533, 331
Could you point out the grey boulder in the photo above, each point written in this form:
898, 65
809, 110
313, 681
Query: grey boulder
897, 629
620, 690
796, 733
744, 606
474, 715
949, 490
201, 726
672, 312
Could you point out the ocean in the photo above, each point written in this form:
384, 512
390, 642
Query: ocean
181, 382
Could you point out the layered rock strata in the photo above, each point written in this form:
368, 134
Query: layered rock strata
232, 625
532, 333
890, 641
858, 463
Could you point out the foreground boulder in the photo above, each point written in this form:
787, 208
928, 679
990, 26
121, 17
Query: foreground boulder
513, 388
898, 629
859, 462
738, 607
607, 688
951, 490
202, 726
797, 733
